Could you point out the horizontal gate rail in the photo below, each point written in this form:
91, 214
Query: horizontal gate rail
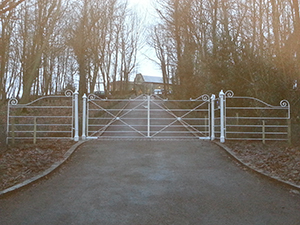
146, 117
110, 115
205, 118
182, 117
48, 117
259, 121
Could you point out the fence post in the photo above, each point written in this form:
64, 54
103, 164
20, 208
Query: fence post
213, 98
84, 121
148, 116
76, 136
222, 119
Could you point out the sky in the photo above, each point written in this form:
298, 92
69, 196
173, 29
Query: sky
144, 65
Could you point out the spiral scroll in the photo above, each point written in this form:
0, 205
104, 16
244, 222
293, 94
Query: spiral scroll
229, 94
284, 104
69, 93
205, 98
92, 97
13, 101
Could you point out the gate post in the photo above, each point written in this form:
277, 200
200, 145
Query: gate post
84, 98
222, 119
213, 98
76, 136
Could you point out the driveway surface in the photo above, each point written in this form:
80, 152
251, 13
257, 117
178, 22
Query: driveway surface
151, 182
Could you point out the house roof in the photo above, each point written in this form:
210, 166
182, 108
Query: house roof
152, 79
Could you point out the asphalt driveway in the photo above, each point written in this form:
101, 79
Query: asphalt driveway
151, 182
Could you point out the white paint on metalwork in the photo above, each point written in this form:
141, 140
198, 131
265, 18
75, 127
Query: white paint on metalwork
190, 128
204, 138
148, 116
39, 104
76, 125
222, 117
269, 131
204, 98
143, 105
213, 98
120, 113
84, 119
214, 127
229, 94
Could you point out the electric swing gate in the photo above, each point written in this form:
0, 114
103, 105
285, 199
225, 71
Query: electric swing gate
147, 116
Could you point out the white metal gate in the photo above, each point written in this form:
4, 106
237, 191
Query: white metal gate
146, 116
248, 118
150, 116
48, 117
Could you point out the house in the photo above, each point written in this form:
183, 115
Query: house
148, 84
119, 86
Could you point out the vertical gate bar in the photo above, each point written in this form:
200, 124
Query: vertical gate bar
76, 135
289, 131
73, 113
87, 116
205, 124
34, 130
8, 121
212, 124
289, 123
237, 118
222, 121
263, 132
13, 130
148, 116
84, 117
209, 115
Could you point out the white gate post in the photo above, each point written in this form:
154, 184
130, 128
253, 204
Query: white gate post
76, 136
222, 114
212, 124
84, 122
148, 116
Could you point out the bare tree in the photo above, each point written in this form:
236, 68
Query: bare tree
232, 43
160, 42
36, 27
104, 44
8, 5
7, 26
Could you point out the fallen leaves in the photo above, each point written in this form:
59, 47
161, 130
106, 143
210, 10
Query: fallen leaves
275, 158
23, 161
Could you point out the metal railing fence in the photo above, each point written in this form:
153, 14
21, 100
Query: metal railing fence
248, 118
226, 117
48, 117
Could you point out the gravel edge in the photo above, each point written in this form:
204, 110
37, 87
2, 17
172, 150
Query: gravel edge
248, 165
45, 173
